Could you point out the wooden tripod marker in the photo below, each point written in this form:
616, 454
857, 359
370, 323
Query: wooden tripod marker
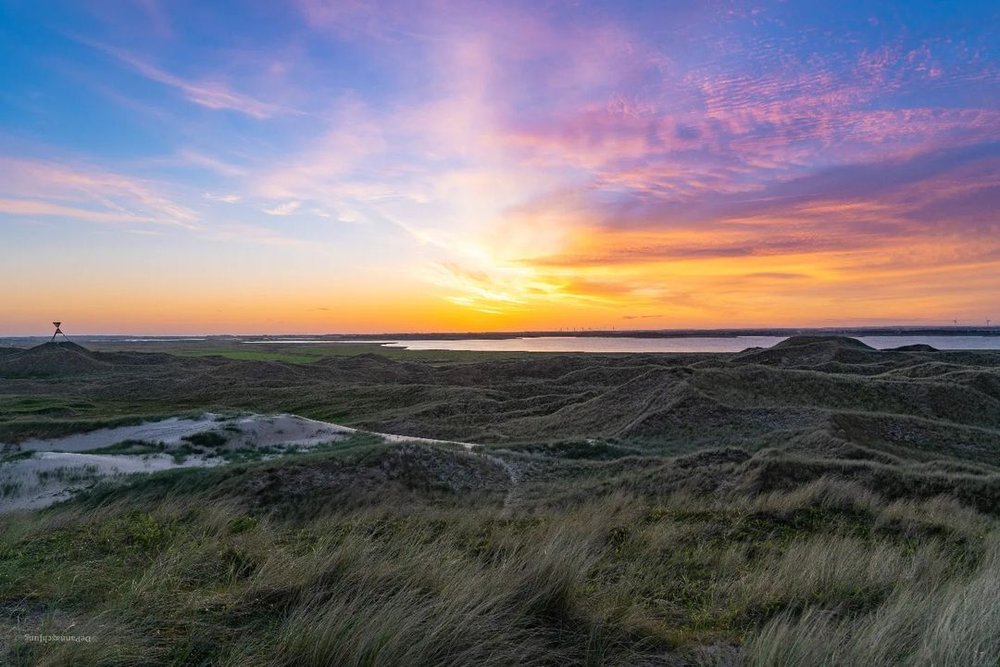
58, 331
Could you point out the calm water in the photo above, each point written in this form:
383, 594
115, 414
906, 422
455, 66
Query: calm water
694, 344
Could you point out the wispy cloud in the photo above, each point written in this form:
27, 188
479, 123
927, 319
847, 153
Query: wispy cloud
225, 198
288, 208
538, 160
762, 153
212, 163
98, 195
206, 93
32, 209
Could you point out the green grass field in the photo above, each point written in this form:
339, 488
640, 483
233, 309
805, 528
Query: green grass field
302, 354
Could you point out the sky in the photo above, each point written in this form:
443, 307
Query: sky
337, 166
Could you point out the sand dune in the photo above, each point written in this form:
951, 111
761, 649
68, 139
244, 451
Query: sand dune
57, 467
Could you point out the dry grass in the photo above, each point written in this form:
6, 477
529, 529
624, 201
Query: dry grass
613, 580
839, 514
952, 623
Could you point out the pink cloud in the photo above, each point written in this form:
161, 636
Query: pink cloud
513, 124
99, 195
31, 209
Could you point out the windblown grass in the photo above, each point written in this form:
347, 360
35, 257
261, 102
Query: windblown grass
828, 572
797, 507
930, 621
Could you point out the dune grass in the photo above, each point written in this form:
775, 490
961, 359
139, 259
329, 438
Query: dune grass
648, 510
196, 575
931, 621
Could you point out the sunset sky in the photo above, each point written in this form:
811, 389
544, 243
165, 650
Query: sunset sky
338, 166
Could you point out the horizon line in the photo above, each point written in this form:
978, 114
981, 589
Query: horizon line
535, 332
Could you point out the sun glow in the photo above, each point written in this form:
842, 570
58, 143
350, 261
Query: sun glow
460, 166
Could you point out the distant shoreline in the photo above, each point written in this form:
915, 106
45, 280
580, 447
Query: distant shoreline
503, 335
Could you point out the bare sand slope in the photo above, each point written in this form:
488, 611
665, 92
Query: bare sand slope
251, 430
40, 472
48, 477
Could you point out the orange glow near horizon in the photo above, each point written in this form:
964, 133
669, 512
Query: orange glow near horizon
337, 167
627, 280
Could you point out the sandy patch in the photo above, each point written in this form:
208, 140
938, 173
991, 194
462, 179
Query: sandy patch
48, 477
59, 467
282, 430
248, 431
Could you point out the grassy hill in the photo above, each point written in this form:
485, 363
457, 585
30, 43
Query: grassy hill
819, 502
